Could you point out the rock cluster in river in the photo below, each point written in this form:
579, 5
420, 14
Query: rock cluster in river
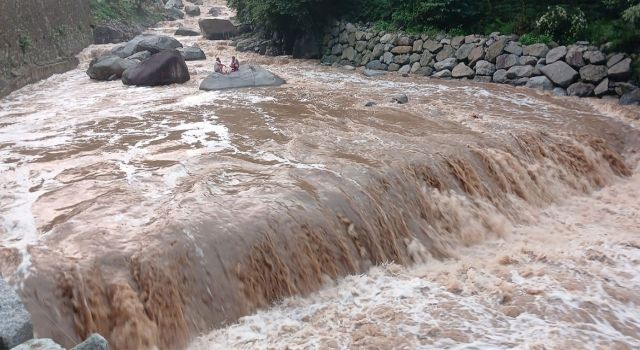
146, 60
580, 69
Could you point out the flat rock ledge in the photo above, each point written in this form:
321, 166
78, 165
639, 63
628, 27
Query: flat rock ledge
247, 76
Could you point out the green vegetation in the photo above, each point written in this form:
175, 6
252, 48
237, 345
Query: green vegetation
598, 21
127, 11
24, 41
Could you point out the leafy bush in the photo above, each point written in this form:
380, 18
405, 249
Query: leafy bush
561, 23
24, 41
531, 38
123, 10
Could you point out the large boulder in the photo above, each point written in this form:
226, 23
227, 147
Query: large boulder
536, 50
594, 57
514, 48
631, 98
602, 88
500, 76
464, 51
516, 72
494, 50
432, 46
540, 83
192, 10
448, 64
376, 65
462, 71
506, 61
560, 73
580, 89
109, 67
446, 52
157, 43
16, 326
108, 34
574, 58
556, 54
614, 59
592, 73
217, 29
192, 53
485, 68
621, 70
164, 68
401, 50
349, 54
186, 31
247, 76
129, 48
173, 14
475, 55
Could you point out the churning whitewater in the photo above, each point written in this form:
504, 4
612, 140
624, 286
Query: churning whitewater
475, 216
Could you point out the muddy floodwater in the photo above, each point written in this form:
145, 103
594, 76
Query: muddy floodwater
476, 216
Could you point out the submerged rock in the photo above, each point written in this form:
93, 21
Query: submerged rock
39, 344
192, 53
247, 76
164, 68
400, 99
94, 342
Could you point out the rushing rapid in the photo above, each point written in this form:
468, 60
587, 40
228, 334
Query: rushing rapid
154, 215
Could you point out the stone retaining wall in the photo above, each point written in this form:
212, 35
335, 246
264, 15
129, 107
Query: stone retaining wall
39, 38
578, 70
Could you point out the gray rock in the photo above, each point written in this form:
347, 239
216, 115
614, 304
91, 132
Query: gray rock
602, 88
445, 41
349, 54
462, 71
447, 64
560, 73
196, 2
555, 54
216, 11
536, 50
631, 98
415, 67
519, 82
416, 57
443, 74
247, 76
401, 59
614, 59
400, 99
108, 34
540, 83
173, 4
528, 60
217, 29
185, 31
329, 60
109, 67
336, 50
377, 51
559, 92
16, 326
401, 50
463, 52
622, 88
482, 79
446, 52
394, 67
500, 76
39, 344
426, 58
485, 68
192, 10
513, 47
350, 28
516, 72
592, 73
361, 46
403, 41
388, 38
405, 69
376, 65
94, 342
494, 50
164, 68
432, 46
129, 48
387, 58
580, 89
370, 104
192, 53
594, 57
574, 58
173, 14
457, 41
417, 45
424, 71
156, 43
506, 61
621, 70
476, 55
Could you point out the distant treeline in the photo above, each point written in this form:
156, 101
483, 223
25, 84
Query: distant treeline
598, 21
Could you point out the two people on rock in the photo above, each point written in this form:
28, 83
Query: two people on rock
218, 67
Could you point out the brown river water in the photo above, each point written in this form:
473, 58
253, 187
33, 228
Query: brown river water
477, 216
